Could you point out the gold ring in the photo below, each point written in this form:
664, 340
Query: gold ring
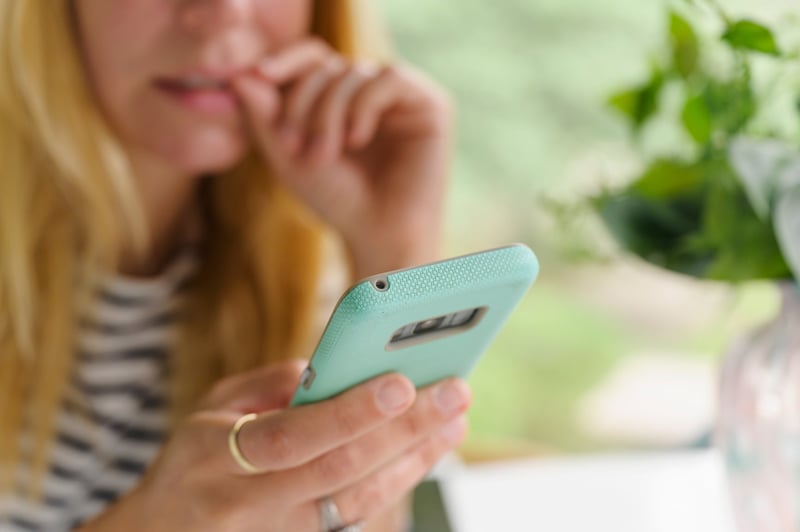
233, 444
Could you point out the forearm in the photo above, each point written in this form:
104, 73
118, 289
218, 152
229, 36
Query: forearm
117, 518
412, 248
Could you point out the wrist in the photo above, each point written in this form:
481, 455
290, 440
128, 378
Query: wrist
395, 252
117, 518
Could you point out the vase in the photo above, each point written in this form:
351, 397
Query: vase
758, 425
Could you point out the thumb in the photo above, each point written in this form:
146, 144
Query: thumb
261, 390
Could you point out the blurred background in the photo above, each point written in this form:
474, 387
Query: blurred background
606, 352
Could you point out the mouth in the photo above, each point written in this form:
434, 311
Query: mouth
195, 83
201, 93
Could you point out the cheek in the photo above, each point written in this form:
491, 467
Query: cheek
126, 45
115, 36
285, 22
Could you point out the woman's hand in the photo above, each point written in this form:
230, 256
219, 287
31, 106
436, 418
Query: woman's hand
365, 449
367, 148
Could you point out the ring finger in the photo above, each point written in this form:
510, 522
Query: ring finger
435, 407
382, 489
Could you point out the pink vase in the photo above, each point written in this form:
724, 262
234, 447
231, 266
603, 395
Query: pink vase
758, 427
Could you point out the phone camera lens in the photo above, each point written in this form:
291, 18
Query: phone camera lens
381, 285
427, 326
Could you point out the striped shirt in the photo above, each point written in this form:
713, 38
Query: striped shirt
114, 418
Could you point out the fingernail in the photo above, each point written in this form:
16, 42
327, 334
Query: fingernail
451, 396
394, 395
454, 431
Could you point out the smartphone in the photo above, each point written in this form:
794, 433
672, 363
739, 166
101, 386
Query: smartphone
429, 510
429, 322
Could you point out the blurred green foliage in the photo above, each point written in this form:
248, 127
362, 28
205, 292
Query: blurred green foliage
692, 214
530, 79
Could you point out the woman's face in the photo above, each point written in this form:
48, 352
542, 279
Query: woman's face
160, 70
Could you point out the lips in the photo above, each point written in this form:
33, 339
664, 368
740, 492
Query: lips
208, 94
196, 83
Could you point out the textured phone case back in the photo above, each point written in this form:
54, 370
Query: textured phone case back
353, 348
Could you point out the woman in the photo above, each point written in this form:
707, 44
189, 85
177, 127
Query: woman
170, 170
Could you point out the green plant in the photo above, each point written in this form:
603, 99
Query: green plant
729, 207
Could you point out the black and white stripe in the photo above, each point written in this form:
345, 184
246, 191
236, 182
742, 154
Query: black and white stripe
114, 417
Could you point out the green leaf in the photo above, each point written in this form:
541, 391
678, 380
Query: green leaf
657, 217
751, 36
656, 231
648, 229
697, 119
626, 102
640, 103
685, 48
695, 219
745, 247
731, 104
667, 179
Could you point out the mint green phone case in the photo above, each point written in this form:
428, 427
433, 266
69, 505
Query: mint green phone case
355, 346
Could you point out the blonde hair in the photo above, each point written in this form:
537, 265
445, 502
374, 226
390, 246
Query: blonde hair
68, 204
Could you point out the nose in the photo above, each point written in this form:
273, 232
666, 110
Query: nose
208, 16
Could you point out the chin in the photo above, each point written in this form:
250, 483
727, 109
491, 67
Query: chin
205, 152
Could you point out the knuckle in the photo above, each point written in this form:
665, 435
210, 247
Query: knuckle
214, 398
336, 65
318, 45
221, 508
414, 424
287, 376
390, 72
353, 78
332, 93
219, 391
196, 440
431, 452
348, 418
369, 498
195, 436
337, 467
366, 69
279, 445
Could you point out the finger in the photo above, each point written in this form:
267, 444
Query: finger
261, 102
264, 389
287, 439
259, 99
425, 107
328, 122
295, 61
300, 100
383, 489
370, 102
434, 407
